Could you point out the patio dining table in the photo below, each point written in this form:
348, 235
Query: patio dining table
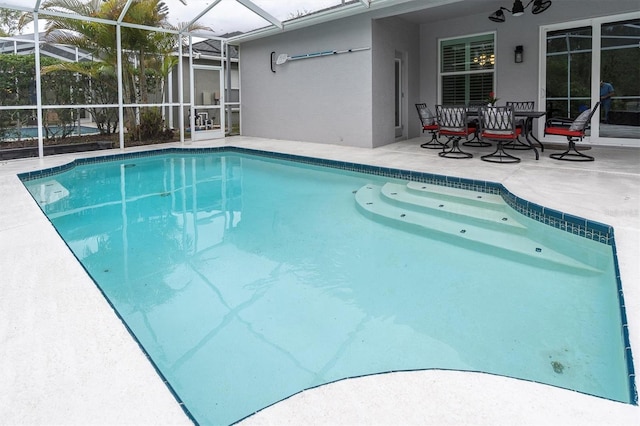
527, 130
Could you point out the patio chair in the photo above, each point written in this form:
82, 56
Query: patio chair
452, 124
498, 124
429, 124
574, 130
522, 123
473, 122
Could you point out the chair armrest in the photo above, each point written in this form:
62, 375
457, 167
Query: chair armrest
559, 122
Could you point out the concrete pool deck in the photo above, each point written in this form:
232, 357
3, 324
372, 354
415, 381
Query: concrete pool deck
66, 358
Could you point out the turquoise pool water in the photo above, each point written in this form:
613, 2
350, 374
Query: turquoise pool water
248, 279
32, 132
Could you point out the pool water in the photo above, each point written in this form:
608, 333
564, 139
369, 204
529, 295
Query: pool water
248, 279
32, 132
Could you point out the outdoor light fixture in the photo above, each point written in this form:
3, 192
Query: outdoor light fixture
498, 15
517, 9
519, 54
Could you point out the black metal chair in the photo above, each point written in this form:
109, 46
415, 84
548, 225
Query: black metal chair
429, 124
452, 124
473, 122
498, 124
574, 130
522, 123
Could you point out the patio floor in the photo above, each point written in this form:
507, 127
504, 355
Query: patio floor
67, 359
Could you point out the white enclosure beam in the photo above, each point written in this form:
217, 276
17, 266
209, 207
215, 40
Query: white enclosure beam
181, 90
201, 14
120, 87
192, 110
125, 9
47, 12
261, 12
36, 39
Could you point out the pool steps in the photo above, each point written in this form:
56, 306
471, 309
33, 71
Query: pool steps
476, 220
452, 203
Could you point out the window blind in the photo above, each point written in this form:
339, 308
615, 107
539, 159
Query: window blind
467, 69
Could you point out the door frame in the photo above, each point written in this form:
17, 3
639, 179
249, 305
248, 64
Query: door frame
596, 36
206, 133
397, 72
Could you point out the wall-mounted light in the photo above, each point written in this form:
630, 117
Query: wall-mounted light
519, 54
517, 9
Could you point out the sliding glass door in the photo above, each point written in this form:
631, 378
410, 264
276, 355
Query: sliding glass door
568, 82
620, 73
585, 59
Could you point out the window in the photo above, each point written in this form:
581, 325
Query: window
467, 69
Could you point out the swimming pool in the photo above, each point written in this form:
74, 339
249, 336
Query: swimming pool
32, 132
377, 295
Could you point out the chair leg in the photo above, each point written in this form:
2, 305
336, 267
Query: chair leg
571, 154
454, 151
476, 141
434, 143
517, 144
500, 156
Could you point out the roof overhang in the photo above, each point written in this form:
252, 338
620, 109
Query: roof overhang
355, 8
275, 26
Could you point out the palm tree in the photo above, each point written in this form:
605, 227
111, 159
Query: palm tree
144, 52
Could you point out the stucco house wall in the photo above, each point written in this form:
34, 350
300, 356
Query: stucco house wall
513, 81
349, 99
325, 99
395, 38
344, 99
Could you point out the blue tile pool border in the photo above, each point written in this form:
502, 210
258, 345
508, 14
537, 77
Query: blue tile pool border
576, 225
566, 222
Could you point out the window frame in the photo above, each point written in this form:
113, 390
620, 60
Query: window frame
467, 39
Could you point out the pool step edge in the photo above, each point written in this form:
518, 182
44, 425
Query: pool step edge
471, 234
454, 203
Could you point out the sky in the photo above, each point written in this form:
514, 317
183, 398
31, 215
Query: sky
229, 15
226, 17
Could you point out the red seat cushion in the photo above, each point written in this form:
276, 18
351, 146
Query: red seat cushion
563, 131
464, 132
505, 135
430, 127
